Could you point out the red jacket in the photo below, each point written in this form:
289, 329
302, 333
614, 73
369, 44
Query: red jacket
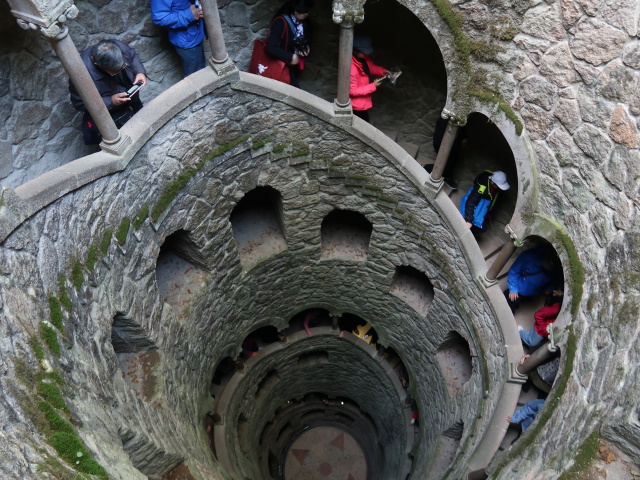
544, 317
360, 88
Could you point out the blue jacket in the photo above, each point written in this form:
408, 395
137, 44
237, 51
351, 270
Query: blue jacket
527, 275
527, 414
478, 200
184, 30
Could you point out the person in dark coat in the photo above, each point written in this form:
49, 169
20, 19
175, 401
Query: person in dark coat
290, 36
114, 67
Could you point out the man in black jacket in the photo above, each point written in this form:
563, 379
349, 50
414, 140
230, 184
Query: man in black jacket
114, 67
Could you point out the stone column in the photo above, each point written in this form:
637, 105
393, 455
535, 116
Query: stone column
70, 58
346, 14
453, 124
219, 57
508, 249
542, 355
50, 19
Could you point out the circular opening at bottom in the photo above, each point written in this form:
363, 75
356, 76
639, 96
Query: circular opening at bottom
325, 452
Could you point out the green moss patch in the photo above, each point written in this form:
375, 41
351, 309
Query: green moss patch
587, 452
64, 296
261, 143
92, 256
77, 274
141, 217
50, 338
502, 105
55, 312
106, 241
173, 188
72, 449
576, 281
51, 394
454, 22
279, 148
123, 230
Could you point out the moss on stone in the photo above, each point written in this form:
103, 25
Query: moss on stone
587, 452
123, 231
261, 143
502, 105
279, 148
173, 188
50, 375
92, 256
56, 422
375, 188
388, 199
576, 282
141, 217
106, 241
77, 275
55, 312
302, 151
50, 393
484, 50
50, 338
72, 449
454, 22
65, 301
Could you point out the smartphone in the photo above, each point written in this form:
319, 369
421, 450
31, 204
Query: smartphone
133, 90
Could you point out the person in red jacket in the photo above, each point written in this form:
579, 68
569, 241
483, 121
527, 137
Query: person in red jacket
366, 76
543, 318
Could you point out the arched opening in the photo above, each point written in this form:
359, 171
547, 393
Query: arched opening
150, 459
413, 287
257, 225
455, 362
136, 354
481, 146
181, 272
345, 235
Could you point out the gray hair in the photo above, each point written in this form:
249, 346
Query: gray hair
107, 55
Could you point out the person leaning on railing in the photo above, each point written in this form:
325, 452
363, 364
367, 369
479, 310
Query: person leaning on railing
114, 68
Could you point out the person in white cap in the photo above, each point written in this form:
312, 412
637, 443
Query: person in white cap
481, 197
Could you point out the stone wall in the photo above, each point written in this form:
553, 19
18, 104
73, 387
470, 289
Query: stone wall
320, 168
40, 130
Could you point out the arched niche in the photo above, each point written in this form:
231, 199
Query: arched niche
258, 227
455, 362
413, 287
181, 272
480, 145
136, 355
345, 235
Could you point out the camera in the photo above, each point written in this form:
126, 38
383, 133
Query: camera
134, 89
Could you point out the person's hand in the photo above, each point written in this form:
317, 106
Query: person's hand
513, 296
341, 334
468, 225
118, 99
140, 78
508, 418
378, 81
557, 292
309, 334
253, 354
197, 12
305, 51
524, 358
295, 60
386, 72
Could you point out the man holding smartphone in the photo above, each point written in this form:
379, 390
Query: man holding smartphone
183, 19
114, 68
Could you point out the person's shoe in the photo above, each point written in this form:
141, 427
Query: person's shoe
450, 183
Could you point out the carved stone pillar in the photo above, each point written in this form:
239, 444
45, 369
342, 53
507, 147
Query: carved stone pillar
346, 14
507, 250
40, 15
219, 57
542, 355
453, 124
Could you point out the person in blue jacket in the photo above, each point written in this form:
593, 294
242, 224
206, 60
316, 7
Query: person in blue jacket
535, 271
526, 414
184, 19
481, 197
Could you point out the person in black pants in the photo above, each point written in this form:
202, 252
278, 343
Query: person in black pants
290, 36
